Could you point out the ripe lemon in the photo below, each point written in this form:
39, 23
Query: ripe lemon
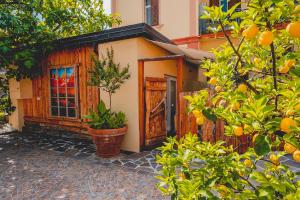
290, 63
200, 120
266, 38
294, 29
250, 32
238, 131
296, 156
197, 113
256, 61
284, 69
289, 148
297, 8
254, 138
213, 81
218, 88
248, 163
286, 123
274, 158
181, 176
235, 106
242, 88
223, 190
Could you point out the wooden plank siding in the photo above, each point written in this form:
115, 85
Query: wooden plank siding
37, 109
209, 131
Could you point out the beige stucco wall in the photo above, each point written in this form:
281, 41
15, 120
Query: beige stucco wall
19, 90
177, 18
126, 99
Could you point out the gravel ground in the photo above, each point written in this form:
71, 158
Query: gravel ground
28, 172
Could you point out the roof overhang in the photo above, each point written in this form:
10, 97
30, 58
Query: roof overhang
114, 34
191, 55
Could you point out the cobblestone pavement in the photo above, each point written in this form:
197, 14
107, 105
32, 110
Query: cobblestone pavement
59, 165
46, 168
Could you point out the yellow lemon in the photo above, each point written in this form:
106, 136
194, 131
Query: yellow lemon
223, 190
266, 38
248, 163
200, 120
218, 88
235, 106
197, 113
289, 148
250, 32
286, 123
274, 158
256, 61
181, 176
238, 131
290, 63
254, 138
294, 29
284, 69
242, 88
213, 81
296, 156
297, 8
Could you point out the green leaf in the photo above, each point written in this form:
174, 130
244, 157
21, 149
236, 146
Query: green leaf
262, 145
208, 113
296, 71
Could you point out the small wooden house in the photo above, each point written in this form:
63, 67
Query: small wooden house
160, 72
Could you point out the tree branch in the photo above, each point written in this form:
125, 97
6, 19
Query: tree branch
239, 58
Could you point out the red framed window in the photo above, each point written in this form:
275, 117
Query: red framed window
63, 92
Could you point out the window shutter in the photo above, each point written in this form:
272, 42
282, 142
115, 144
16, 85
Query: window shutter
155, 12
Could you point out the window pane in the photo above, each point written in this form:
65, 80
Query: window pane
54, 111
71, 112
54, 102
70, 77
71, 92
62, 92
62, 112
224, 5
62, 102
71, 102
53, 78
54, 92
61, 77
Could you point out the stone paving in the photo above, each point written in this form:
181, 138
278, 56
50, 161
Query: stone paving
52, 164
48, 167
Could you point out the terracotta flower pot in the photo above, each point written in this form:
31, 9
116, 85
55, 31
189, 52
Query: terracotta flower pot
107, 141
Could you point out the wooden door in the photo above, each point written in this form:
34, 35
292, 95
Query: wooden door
155, 97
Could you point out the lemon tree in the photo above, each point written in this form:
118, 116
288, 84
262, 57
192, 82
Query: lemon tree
255, 77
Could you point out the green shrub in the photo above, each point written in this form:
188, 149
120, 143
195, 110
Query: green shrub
103, 118
201, 170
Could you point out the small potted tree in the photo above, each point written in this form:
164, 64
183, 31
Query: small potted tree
105, 126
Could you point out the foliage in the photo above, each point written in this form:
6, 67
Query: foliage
103, 118
201, 170
6, 107
256, 81
107, 75
27, 28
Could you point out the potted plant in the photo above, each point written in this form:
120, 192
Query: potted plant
105, 126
